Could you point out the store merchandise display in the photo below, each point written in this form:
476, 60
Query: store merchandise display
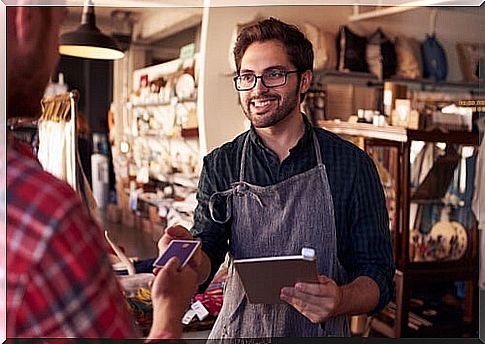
409, 61
381, 55
435, 64
350, 49
471, 56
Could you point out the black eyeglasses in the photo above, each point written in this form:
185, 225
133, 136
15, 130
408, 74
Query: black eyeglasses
270, 78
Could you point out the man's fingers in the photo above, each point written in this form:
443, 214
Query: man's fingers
316, 308
178, 232
301, 298
324, 279
316, 289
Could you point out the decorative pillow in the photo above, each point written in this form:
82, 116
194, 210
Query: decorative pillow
409, 62
325, 51
351, 51
469, 55
381, 55
435, 65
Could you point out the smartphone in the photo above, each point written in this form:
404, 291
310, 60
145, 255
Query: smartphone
183, 249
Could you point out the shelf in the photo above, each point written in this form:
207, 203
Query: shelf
452, 326
149, 104
458, 137
419, 272
351, 75
365, 130
178, 179
425, 84
185, 133
398, 134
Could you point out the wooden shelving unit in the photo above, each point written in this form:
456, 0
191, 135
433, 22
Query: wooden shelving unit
411, 274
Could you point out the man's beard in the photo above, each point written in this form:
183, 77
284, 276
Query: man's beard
275, 116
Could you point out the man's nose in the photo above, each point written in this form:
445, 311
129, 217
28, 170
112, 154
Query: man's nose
260, 85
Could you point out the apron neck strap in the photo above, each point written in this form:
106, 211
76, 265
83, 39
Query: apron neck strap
316, 146
243, 158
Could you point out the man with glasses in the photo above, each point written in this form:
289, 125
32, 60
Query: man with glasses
284, 185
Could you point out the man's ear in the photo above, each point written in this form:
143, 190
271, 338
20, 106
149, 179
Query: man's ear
28, 27
306, 80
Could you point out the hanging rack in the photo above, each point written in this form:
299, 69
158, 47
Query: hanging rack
63, 107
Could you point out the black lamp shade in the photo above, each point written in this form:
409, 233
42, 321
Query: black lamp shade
87, 41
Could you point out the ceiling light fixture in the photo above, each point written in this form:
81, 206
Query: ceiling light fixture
87, 41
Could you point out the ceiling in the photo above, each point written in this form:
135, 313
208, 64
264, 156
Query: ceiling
149, 24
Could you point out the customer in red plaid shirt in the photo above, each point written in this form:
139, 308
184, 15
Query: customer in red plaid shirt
59, 279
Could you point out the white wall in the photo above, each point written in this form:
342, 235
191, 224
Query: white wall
222, 116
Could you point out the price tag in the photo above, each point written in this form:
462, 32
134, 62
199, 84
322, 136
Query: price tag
189, 315
200, 310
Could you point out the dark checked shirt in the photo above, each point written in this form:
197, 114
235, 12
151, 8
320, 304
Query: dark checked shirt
59, 279
361, 218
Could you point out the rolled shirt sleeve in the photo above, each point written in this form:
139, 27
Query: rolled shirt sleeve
214, 236
370, 233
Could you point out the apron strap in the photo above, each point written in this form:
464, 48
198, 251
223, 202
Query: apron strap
228, 195
243, 159
316, 146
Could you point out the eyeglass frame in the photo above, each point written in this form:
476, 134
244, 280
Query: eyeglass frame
256, 77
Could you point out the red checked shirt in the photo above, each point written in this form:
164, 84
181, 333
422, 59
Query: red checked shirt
59, 280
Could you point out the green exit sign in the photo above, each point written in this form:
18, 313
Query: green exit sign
187, 51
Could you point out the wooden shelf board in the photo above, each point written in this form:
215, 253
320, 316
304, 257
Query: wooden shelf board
365, 130
398, 134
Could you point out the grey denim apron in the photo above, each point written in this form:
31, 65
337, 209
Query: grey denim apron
277, 220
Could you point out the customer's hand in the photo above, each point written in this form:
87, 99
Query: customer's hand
172, 290
176, 232
316, 301
180, 233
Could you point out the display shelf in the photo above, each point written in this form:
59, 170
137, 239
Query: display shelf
365, 130
339, 74
399, 134
428, 84
411, 274
161, 103
447, 323
421, 83
184, 132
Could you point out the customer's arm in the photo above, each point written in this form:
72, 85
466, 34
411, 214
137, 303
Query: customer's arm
71, 291
171, 292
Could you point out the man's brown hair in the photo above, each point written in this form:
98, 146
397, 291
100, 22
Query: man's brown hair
297, 46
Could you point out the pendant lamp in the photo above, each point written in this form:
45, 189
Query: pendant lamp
87, 41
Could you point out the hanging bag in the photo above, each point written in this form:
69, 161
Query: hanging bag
435, 65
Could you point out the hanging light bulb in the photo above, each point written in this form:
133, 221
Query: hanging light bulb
87, 41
